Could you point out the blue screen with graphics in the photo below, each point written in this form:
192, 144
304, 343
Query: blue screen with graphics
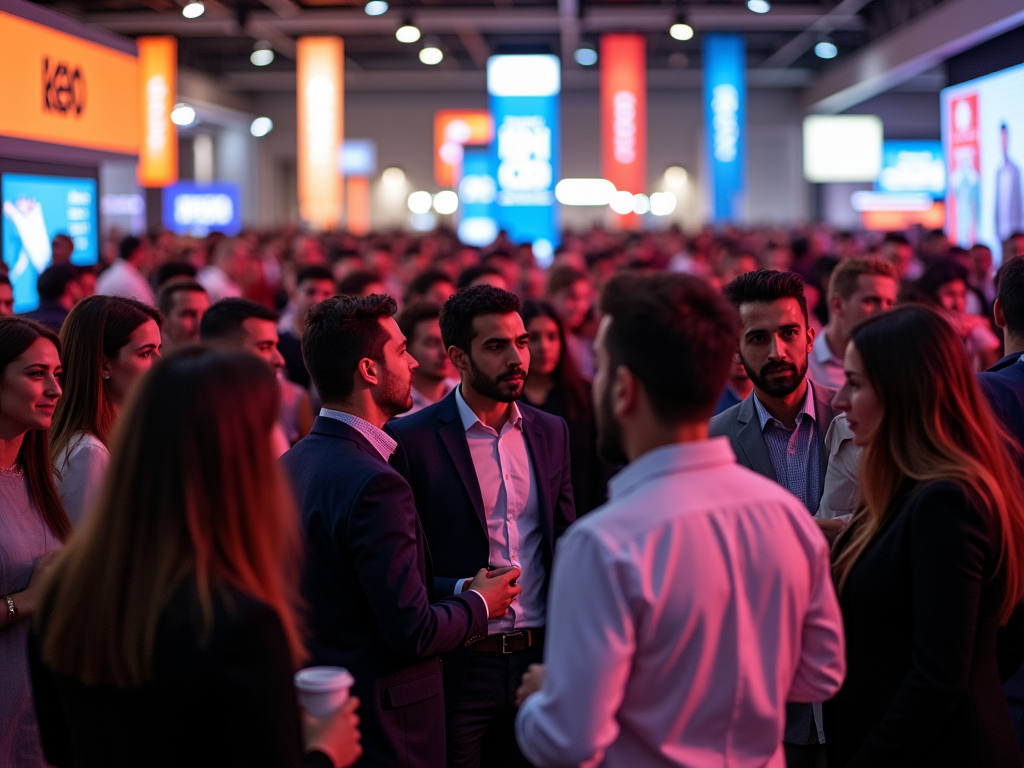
35, 209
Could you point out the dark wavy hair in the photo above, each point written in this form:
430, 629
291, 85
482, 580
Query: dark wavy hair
765, 286
463, 307
16, 335
566, 375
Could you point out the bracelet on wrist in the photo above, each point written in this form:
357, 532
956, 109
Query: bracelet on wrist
12, 609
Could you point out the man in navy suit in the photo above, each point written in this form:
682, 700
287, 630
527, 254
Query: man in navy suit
492, 486
368, 577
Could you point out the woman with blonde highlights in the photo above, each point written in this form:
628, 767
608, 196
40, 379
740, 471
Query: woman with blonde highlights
930, 572
166, 634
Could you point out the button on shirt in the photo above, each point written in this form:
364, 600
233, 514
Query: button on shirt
378, 438
794, 455
684, 613
508, 486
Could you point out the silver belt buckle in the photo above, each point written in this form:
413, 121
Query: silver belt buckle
504, 640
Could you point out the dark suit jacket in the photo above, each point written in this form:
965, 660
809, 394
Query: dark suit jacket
1003, 385
369, 585
434, 456
925, 654
225, 702
741, 425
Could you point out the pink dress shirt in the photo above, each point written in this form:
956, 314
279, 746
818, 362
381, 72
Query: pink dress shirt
683, 615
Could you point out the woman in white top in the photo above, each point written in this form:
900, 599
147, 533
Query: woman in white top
109, 342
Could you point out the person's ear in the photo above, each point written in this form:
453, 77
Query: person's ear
835, 303
624, 392
459, 359
106, 368
999, 314
369, 371
810, 338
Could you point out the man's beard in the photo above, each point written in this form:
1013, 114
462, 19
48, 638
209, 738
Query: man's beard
609, 433
394, 397
777, 387
501, 389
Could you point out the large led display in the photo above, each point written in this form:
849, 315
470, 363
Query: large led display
35, 210
983, 138
840, 148
198, 209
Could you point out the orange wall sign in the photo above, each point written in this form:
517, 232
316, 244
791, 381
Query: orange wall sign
158, 89
453, 130
60, 89
321, 120
624, 113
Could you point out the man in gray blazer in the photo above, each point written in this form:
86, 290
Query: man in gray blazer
779, 429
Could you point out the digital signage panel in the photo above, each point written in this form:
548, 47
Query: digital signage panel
35, 209
198, 209
725, 118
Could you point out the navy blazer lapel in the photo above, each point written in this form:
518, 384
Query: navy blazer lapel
453, 435
751, 440
537, 447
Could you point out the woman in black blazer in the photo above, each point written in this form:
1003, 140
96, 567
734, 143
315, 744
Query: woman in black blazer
166, 633
929, 571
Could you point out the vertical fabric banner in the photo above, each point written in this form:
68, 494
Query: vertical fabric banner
523, 92
477, 192
624, 115
725, 117
321, 118
454, 130
158, 139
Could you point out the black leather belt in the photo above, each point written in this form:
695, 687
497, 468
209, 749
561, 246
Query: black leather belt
510, 642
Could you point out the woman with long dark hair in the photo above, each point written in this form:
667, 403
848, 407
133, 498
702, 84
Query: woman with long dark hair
32, 520
167, 633
931, 566
109, 342
554, 384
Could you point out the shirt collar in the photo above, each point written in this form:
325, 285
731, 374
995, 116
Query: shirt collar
378, 438
671, 459
822, 351
808, 408
469, 418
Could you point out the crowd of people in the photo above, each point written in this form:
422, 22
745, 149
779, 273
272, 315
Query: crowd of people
746, 497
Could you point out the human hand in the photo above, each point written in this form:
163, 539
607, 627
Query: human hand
498, 587
27, 600
336, 735
831, 528
533, 681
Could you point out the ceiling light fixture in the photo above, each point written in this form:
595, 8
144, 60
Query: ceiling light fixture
193, 10
183, 114
431, 55
585, 56
759, 6
826, 49
261, 126
262, 54
407, 33
375, 8
680, 30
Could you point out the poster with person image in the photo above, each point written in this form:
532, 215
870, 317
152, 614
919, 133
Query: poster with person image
983, 138
35, 209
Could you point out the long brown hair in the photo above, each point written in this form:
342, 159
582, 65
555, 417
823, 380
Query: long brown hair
98, 326
198, 498
566, 375
16, 335
936, 425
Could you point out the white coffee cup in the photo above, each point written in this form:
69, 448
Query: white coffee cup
323, 689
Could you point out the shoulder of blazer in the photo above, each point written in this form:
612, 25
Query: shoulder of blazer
425, 421
729, 421
542, 419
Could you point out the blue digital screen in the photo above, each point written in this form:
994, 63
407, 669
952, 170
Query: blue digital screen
725, 118
359, 157
913, 166
35, 210
199, 209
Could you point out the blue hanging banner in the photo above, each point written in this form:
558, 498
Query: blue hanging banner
725, 119
523, 93
477, 192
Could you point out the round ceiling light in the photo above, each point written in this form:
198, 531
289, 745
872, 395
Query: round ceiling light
407, 33
431, 55
585, 57
375, 8
183, 114
193, 10
681, 31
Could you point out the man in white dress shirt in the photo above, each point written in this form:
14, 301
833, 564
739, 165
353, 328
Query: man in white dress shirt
687, 611
125, 276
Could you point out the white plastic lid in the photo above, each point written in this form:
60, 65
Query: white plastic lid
323, 679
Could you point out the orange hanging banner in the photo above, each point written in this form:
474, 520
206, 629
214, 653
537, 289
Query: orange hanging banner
61, 89
624, 115
455, 129
357, 199
321, 119
158, 91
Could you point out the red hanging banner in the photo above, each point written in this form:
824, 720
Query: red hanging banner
623, 64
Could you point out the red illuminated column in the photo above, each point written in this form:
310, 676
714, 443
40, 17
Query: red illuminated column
624, 115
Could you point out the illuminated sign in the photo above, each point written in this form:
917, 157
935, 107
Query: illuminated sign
198, 209
61, 89
477, 193
725, 97
358, 157
454, 130
913, 166
842, 148
523, 94
624, 113
158, 88
321, 119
